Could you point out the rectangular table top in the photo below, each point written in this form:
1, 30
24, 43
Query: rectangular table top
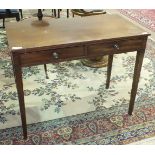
31, 33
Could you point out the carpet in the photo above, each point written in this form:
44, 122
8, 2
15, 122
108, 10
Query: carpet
73, 106
142, 16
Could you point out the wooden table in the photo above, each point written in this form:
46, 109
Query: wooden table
33, 42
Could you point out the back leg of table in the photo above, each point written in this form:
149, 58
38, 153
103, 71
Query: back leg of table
3, 22
45, 68
137, 70
109, 68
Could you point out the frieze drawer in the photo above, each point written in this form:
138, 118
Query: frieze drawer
116, 46
68, 53
49, 56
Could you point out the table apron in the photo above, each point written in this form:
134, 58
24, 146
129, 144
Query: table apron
92, 50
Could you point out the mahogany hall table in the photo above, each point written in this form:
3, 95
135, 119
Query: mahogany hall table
33, 42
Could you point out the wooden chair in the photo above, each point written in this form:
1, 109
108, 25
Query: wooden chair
55, 13
59, 10
10, 13
84, 13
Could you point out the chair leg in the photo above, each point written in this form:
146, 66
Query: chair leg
55, 14
59, 13
18, 17
45, 68
3, 22
67, 13
52, 12
21, 13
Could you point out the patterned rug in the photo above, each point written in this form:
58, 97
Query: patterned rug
142, 16
73, 106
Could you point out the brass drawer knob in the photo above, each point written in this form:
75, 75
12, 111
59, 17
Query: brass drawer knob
116, 46
55, 55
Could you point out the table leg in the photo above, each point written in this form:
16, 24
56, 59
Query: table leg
137, 70
19, 84
45, 68
109, 68
3, 22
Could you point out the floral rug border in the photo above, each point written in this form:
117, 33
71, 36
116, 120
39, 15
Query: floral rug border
138, 18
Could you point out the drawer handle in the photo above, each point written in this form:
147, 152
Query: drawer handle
116, 46
55, 55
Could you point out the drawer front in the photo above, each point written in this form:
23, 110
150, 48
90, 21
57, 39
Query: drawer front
48, 56
115, 46
68, 53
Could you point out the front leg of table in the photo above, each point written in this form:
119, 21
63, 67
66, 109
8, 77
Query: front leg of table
19, 84
137, 70
109, 68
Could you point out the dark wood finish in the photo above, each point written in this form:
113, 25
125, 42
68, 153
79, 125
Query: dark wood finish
21, 13
3, 22
55, 13
9, 13
69, 39
52, 12
109, 68
18, 79
137, 70
116, 46
67, 13
49, 56
45, 68
59, 11
79, 31
40, 14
